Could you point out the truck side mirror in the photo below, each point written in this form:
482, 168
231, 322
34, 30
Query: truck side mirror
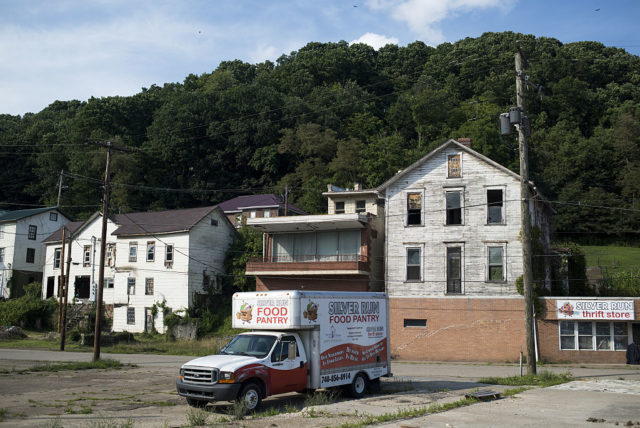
292, 350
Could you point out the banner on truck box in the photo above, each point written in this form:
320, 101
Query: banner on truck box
262, 312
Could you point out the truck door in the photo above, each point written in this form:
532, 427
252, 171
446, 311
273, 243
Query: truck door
287, 374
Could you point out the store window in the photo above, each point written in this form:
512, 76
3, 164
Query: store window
593, 335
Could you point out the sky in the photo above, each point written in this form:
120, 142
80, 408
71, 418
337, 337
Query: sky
75, 49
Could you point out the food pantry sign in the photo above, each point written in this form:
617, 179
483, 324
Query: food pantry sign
595, 309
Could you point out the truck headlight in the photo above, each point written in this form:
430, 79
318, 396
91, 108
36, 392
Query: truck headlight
226, 377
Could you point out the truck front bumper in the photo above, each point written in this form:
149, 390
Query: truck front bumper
217, 392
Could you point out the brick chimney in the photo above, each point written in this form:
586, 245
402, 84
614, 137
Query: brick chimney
465, 142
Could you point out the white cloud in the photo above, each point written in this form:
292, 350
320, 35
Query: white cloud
424, 16
376, 41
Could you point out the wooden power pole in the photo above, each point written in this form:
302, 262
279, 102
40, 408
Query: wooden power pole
525, 220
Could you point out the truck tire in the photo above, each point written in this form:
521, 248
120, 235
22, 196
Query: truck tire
358, 387
251, 396
196, 403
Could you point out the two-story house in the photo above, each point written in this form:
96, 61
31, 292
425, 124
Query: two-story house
453, 255
341, 250
151, 258
21, 249
245, 207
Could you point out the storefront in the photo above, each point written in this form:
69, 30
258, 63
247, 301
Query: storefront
589, 330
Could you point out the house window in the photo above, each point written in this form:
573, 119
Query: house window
413, 264
495, 263
53, 216
133, 251
86, 256
267, 213
57, 253
110, 259
415, 322
1, 231
148, 286
31, 255
360, 206
414, 208
252, 214
454, 270
593, 335
214, 222
33, 231
131, 286
108, 283
131, 315
495, 203
151, 251
168, 255
340, 207
454, 169
1, 255
454, 207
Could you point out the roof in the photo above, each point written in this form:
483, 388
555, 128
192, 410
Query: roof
6, 216
56, 236
146, 223
457, 145
244, 202
309, 223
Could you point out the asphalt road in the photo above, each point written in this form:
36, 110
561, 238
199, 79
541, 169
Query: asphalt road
145, 394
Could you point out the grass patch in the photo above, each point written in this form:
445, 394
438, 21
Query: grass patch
197, 417
514, 391
544, 378
614, 259
321, 398
237, 410
76, 365
3, 412
111, 423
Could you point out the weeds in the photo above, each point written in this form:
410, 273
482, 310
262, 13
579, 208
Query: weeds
238, 410
321, 398
110, 423
514, 391
54, 423
197, 417
544, 378
75, 365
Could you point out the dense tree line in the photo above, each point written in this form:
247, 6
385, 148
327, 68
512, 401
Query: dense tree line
339, 113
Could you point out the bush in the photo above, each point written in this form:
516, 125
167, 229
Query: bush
28, 310
621, 284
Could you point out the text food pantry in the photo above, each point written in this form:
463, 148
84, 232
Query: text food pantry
591, 330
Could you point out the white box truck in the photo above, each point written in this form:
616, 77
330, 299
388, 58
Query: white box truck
300, 341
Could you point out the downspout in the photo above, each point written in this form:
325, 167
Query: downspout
93, 268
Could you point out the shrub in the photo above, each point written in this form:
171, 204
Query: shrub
28, 310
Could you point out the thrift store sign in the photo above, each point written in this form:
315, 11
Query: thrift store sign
621, 310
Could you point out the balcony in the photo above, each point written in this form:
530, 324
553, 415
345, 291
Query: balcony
309, 264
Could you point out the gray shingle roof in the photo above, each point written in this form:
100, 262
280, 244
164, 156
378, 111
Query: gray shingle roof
256, 201
146, 223
6, 216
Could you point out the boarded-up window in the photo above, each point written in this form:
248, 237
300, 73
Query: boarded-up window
454, 166
414, 208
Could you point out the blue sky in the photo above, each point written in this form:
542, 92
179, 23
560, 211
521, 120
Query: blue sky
74, 49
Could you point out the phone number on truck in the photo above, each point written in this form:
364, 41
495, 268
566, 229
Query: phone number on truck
336, 377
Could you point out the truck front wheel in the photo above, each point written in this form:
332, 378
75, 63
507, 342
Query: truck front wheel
357, 388
250, 395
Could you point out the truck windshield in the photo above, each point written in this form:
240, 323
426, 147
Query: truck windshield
253, 345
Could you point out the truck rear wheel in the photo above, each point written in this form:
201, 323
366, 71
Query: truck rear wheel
251, 396
196, 403
358, 387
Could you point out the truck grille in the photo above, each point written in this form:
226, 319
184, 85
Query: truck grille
200, 375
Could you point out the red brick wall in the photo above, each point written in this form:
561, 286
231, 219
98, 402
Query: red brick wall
351, 283
458, 329
549, 344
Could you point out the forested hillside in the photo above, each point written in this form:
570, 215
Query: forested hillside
335, 113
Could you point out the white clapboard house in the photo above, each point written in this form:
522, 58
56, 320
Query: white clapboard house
162, 258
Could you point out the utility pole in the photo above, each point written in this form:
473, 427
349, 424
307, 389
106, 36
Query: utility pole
286, 199
63, 333
103, 243
525, 220
60, 187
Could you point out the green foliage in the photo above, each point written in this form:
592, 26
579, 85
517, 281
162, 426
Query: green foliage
25, 311
246, 244
544, 378
338, 113
623, 284
197, 417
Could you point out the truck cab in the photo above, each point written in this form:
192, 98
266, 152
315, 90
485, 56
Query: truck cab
252, 366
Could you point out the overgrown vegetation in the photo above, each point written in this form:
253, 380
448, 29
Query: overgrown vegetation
76, 365
544, 378
28, 311
197, 417
321, 398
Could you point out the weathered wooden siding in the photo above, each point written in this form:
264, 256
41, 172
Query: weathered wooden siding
433, 236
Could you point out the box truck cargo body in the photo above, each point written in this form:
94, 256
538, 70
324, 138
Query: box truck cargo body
300, 340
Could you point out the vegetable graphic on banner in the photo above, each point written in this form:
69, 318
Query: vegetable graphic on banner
312, 312
245, 312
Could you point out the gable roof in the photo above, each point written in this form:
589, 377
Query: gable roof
56, 236
170, 221
244, 202
449, 143
6, 216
